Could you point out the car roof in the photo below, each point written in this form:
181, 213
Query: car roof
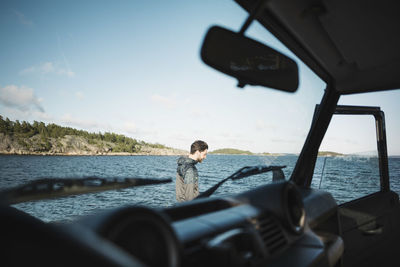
352, 45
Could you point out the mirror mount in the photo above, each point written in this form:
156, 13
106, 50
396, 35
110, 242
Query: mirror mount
247, 60
252, 16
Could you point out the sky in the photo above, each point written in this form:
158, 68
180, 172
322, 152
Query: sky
133, 68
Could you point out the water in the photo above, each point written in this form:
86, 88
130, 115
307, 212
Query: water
351, 177
340, 176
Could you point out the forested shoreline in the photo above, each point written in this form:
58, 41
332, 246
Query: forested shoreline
39, 138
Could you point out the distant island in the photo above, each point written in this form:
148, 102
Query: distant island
231, 151
330, 154
234, 151
40, 139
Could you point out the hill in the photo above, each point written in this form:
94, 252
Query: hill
329, 154
51, 139
231, 151
234, 151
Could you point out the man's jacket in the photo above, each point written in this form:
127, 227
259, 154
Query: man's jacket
187, 179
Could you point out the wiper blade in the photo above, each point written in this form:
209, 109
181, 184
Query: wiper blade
247, 171
61, 187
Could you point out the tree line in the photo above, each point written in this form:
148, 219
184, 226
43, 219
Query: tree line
25, 129
231, 151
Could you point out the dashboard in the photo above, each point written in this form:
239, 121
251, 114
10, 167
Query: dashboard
274, 225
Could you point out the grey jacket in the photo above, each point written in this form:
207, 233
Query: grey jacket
187, 179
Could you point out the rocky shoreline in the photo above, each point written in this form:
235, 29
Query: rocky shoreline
71, 145
92, 154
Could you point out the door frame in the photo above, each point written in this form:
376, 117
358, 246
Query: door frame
380, 137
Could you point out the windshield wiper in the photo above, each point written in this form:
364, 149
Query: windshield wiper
61, 187
277, 174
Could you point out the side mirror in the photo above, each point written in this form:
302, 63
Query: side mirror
249, 61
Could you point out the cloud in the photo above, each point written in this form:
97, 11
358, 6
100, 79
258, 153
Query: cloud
83, 124
130, 127
21, 98
281, 140
79, 95
200, 113
22, 19
167, 102
261, 125
48, 68
27, 115
42, 116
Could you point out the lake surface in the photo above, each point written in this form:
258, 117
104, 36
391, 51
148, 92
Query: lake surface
339, 175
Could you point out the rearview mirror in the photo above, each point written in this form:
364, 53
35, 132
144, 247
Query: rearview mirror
249, 61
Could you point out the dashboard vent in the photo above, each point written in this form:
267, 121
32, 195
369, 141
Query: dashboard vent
271, 234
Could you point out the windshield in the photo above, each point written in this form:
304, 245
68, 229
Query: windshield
125, 83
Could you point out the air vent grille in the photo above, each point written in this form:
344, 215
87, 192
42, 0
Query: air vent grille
271, 234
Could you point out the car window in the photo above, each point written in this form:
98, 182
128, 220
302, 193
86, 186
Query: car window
116, 69
348, 165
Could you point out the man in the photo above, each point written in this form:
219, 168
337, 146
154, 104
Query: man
187, 177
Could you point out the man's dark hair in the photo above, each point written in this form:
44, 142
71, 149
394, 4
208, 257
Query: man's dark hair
198, 145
